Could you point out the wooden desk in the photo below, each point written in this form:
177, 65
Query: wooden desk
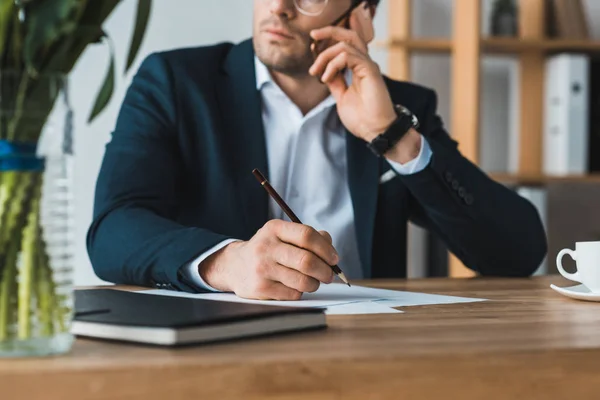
527, 342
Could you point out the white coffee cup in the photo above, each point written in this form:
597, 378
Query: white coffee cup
587, 258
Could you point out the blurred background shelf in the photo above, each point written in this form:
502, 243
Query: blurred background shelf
496, 45
549, 46
424, 45
466, 46
542, 180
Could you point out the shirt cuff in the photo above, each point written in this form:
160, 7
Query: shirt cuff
417, 164
190, 270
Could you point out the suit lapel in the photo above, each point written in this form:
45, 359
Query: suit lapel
363, 180
242, 116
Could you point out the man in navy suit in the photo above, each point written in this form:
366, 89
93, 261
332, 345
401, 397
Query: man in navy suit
355, 155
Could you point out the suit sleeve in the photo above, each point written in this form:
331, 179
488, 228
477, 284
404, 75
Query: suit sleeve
489, 227
134, 237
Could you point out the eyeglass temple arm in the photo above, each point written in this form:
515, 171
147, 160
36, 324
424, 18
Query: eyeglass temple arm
347, 13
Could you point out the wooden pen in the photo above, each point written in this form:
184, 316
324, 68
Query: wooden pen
288, 211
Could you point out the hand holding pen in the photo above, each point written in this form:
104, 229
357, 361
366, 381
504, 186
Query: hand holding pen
288, 211
280, 262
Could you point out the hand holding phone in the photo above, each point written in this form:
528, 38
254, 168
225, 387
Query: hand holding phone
365, 107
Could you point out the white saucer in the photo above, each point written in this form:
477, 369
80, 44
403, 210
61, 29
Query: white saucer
579, 292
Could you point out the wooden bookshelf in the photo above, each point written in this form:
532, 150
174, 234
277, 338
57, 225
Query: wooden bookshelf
515, 46
424, 45
506, 46
542, 180
466, 47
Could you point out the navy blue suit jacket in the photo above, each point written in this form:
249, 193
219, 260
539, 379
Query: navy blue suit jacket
176, 180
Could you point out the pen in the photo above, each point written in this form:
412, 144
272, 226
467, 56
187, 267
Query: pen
273, 193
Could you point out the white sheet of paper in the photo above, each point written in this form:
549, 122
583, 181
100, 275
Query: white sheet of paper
364, 307
337, 294
423, 299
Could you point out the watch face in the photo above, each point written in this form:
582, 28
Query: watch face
406, 111
415, 121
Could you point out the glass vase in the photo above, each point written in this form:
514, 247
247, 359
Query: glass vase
36, 215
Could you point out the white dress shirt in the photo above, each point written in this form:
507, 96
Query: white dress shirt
308, 168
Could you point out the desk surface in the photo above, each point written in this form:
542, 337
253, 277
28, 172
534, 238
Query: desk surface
527, 342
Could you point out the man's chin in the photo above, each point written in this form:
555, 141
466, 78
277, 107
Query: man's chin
283, 60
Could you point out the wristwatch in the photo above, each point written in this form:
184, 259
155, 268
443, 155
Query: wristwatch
400, 127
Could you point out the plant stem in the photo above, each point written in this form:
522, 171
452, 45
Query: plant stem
7, 287
15, 188
29, 260
8, 186
11, 232
44, 295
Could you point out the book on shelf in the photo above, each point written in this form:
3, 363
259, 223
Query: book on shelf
570, 20
550, 22
594, 117
565, 129
580, 19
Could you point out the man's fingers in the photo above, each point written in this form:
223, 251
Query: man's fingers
327, 236
337, 88
338, 64
330, 54
340, 35
295, 279
278, 291
304, 237
302, 261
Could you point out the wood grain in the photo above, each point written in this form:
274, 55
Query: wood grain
418, 45
543, 180
526, 342
465, 101
493, 45
532, 19
532, 68
532, 76
400, 27
515, 46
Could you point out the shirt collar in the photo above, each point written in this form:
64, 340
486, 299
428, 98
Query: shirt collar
262, 74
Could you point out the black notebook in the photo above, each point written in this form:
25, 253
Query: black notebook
173, 321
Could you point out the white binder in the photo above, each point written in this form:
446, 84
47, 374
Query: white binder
566, 117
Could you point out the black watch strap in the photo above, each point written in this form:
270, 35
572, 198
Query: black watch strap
388, 139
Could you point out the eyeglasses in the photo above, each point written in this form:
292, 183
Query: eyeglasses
311, 8
314, 8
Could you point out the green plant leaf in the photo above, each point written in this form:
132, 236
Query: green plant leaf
96, 12
141, 22
107, 87
6, 15
46, 22
89, 31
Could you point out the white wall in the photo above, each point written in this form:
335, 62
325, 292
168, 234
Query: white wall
178, 23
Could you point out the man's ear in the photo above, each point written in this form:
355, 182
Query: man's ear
369, 31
